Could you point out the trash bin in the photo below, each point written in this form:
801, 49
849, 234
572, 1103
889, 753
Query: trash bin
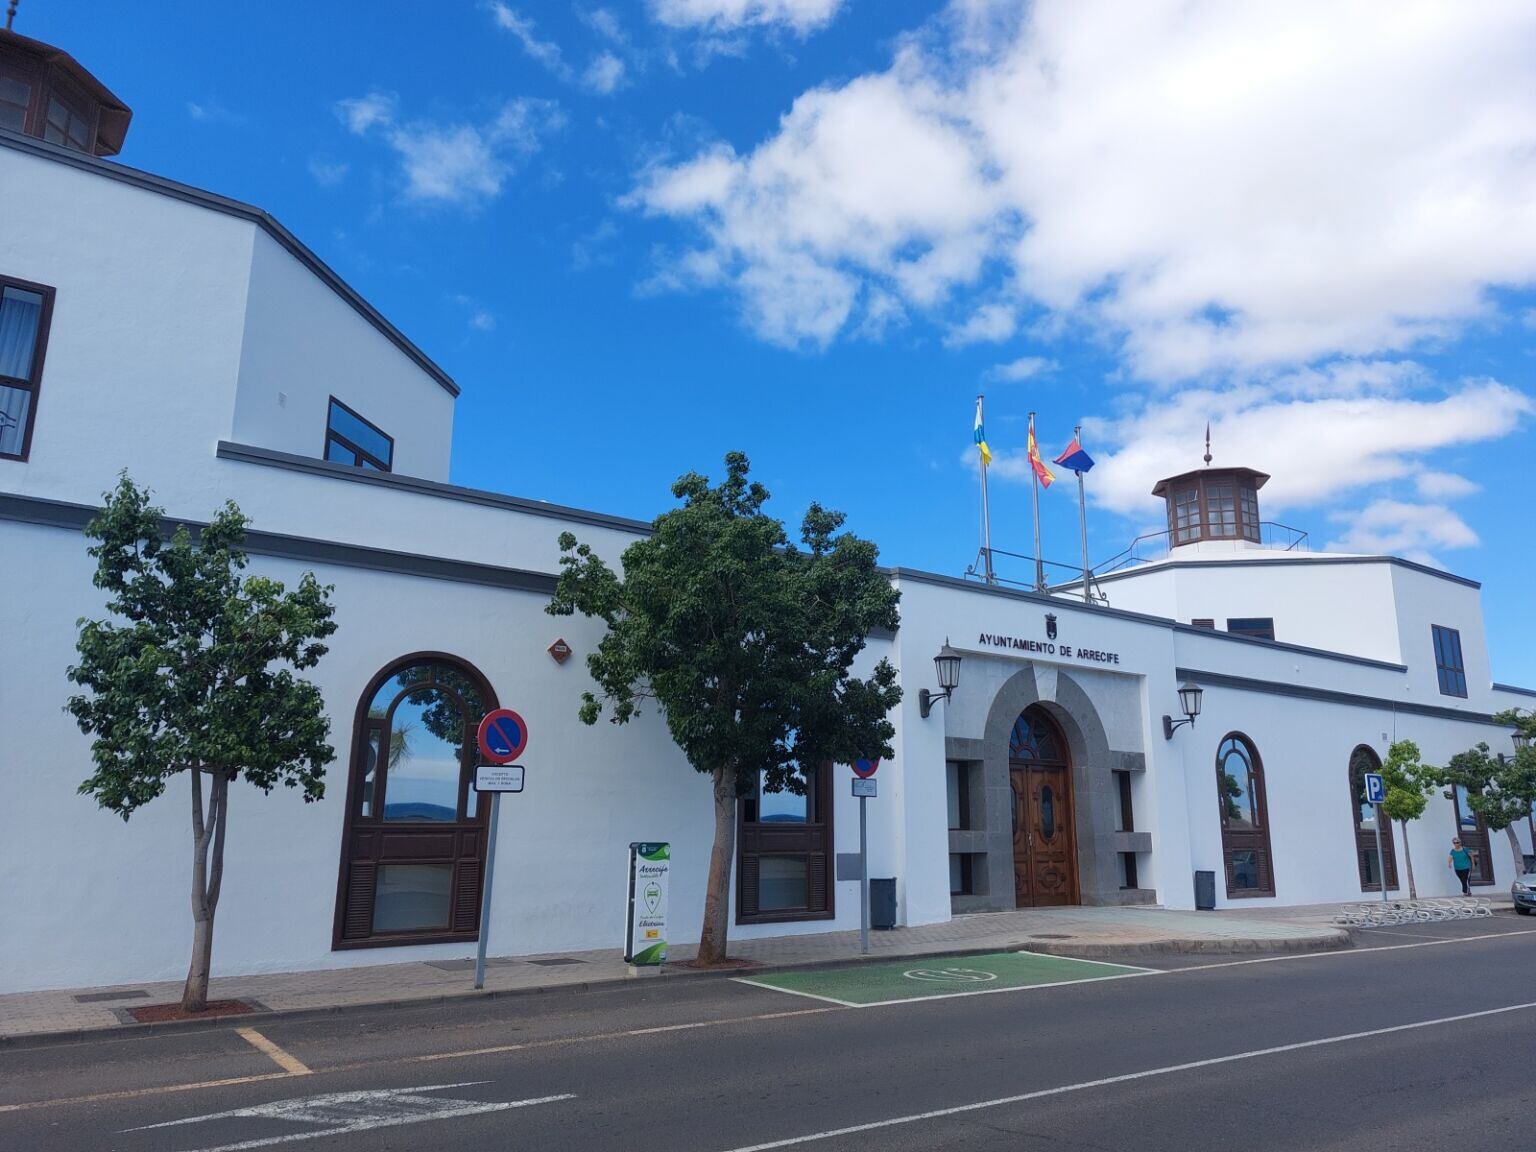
882, 903
1205, 891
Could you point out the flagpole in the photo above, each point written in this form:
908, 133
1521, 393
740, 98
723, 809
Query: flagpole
1082, 516
1034, 482
986, 517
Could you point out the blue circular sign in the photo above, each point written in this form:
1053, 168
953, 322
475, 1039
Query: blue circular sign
503, 736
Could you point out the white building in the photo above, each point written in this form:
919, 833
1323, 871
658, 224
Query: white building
192, 340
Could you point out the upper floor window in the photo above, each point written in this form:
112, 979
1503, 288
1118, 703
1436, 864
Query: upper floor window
349, 439
66, 126
1254, 627
1448, 662
25, 310
15, 96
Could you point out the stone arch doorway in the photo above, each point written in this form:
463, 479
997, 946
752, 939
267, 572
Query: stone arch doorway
1044, 820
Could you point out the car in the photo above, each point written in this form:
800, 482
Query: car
1524, 893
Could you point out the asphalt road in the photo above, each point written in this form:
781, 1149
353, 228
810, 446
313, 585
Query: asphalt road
1423, 1039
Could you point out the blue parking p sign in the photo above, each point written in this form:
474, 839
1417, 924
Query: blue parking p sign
1375, 788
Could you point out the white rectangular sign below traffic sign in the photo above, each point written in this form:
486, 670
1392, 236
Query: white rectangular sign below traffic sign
864, 787
499, 778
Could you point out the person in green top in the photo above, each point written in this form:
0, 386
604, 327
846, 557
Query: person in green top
1461, 864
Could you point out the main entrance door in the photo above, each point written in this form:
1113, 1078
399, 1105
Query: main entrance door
1044, 831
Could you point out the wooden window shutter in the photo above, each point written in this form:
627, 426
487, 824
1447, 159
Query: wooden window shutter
816, 878
466, 896
748, 896
360, 885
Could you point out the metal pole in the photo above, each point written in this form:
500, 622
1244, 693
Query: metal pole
1381, 861
1082, 515
986, 517
863, 880
1034, 481
485, 891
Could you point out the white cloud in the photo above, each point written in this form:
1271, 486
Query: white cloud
365, 112
606, 24
1024, 368
1444, 486
800, 16
605, 74
989, 324
1386, 527
1215, 187
463, 164
210, 111
327, 173
545, 52
1317, 447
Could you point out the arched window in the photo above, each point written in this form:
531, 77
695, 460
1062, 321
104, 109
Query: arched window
413, 844
1244, 818
1362, 760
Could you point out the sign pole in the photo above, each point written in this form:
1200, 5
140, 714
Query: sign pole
863, 880
1381, 861
485, 892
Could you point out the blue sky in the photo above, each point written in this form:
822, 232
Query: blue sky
642, 234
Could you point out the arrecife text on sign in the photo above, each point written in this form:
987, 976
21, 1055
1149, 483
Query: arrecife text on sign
1048, 648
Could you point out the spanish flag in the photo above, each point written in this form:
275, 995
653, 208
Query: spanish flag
1042, 473
981, 437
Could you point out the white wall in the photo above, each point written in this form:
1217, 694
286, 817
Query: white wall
145, 341
302, 345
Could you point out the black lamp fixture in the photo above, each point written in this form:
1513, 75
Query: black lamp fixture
1521, 740
947, 665
1189, 700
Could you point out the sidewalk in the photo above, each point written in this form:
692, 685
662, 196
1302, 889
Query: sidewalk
1088, 932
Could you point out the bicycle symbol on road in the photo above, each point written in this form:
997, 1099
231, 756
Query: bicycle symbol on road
950, 975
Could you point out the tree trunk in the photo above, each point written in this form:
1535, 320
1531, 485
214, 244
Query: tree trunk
1514, 846
717, 892
1413, 892
207, 876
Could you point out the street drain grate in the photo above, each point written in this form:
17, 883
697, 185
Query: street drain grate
1051, 936
468, 965
553, 961
98, 997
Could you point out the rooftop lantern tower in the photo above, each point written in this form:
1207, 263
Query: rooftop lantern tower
1213, 504
44, 92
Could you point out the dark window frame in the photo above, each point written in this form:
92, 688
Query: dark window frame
1253, 627
1478, 842
1238, 508
812, 840
33, 385
1362, 760
1451, 676
1256, 840
469, 832
361, 453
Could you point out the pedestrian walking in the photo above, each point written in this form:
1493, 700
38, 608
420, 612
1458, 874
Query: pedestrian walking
1461, 863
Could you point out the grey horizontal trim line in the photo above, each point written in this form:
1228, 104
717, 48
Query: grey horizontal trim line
247, 454
1329, 696
74, 517
1280, 645
1516, 691
918, 576
1176, 565
263, 219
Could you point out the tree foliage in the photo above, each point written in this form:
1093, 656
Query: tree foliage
744, 640
193, 672
1408, 782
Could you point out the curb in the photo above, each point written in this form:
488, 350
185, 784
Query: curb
1333, 939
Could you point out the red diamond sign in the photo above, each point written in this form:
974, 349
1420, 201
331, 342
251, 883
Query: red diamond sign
561, 651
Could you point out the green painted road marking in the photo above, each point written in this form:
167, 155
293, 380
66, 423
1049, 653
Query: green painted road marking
935, 977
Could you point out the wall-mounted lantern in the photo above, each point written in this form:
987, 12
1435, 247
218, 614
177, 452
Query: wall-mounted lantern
947, 665
1190, 695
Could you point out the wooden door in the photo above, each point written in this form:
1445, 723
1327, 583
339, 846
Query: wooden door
1044, 844
1044, 828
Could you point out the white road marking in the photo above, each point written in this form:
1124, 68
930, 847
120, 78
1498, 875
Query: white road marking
797, 992
961, 1109
284, 1060
343, 1113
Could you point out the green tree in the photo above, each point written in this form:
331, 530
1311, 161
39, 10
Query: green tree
1408, 783
1500, 789
744, 641
196, 674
